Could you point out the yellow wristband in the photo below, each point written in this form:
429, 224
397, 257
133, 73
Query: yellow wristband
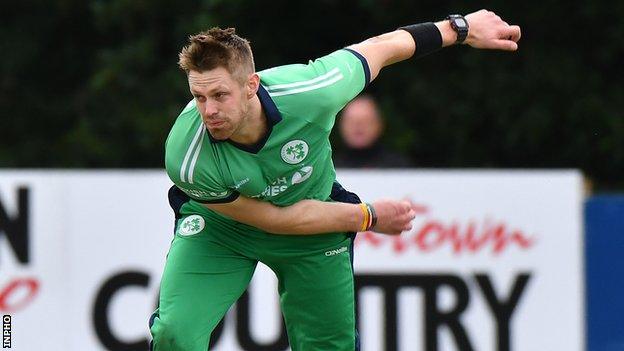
366, 217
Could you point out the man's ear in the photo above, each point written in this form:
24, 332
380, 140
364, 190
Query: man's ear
253, 84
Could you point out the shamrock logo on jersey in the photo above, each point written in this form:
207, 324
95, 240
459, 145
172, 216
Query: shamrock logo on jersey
294, 151
191, 225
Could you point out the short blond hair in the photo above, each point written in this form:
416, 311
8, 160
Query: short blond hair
217, 47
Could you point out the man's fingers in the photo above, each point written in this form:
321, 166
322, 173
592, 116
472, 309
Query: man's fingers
504, 44
512, 33
405, 206
407, 223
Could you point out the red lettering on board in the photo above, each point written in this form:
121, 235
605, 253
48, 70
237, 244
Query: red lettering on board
471, 236
28, 287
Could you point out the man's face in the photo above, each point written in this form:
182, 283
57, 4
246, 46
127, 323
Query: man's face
360, 124
221, 100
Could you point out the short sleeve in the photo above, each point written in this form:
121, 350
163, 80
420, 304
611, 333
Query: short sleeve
321, 88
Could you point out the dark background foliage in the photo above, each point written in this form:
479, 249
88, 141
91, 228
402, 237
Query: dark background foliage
94, 84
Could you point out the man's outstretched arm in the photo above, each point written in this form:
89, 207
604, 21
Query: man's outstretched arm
486, 31
316, 217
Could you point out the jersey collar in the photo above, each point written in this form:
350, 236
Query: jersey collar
273, 117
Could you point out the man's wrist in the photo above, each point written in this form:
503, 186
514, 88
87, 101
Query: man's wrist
427, 38
373, 215
449, 36
354, 218
365, 217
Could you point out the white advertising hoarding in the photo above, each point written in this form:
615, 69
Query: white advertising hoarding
493, 262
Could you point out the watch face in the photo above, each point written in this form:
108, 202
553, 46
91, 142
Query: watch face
460, 22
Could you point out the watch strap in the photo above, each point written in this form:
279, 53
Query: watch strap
460, 26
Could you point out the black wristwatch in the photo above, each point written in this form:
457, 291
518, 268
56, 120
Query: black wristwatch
460, 26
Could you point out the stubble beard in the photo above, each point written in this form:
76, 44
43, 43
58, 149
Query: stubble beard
233, 130
242, 122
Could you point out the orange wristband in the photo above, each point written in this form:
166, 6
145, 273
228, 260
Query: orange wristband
366, 217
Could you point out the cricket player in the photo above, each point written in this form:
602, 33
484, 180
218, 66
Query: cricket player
254, 182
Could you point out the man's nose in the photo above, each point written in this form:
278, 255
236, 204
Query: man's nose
210, 110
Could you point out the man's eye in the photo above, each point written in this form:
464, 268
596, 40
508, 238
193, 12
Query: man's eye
220, 95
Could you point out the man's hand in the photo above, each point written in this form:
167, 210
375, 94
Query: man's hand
393, 217
488, 31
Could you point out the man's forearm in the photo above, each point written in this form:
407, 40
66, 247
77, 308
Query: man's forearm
318, 217
396, 46
303, 217
486, 31
449, 36
389, 48
313, 217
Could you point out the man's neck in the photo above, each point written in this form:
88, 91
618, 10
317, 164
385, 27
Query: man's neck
254, 127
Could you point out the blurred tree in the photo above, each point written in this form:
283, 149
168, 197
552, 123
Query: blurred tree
95, 83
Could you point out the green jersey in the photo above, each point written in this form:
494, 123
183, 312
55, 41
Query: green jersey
293, 160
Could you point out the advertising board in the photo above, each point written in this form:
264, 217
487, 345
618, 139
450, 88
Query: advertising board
493, 262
